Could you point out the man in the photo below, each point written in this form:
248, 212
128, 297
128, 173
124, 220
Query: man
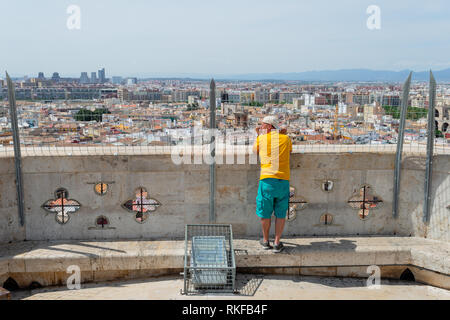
274, 150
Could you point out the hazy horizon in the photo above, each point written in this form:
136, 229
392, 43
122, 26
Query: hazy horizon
417, 76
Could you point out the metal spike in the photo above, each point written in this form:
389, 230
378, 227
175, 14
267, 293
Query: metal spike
212, 167
16, 141
401, 132
430, 145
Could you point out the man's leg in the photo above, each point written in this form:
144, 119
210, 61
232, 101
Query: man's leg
264, 207
279, 226
265, 223
281, 206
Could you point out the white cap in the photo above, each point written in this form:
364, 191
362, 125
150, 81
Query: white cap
272, 120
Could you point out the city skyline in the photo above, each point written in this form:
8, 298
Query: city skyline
152, 38
345, 75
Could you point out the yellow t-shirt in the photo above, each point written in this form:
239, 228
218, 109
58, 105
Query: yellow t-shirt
274, 150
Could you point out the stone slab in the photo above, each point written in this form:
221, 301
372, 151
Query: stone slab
99, 260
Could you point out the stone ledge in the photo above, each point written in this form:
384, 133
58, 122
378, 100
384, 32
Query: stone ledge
4, 294
47, 262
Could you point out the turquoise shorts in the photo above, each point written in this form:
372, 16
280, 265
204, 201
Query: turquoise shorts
273, 197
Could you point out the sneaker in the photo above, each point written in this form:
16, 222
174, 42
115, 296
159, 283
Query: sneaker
278, 247
265, 245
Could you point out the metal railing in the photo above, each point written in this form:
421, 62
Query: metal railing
133, 131
84, 128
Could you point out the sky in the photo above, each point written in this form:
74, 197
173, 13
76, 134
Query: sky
210, 37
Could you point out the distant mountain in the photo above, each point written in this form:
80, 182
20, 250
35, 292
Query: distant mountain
344, 75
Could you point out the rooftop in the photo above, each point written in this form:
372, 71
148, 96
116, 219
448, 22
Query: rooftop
297, 267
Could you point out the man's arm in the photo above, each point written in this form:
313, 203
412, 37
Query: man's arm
290, 145
256, 146
284, 131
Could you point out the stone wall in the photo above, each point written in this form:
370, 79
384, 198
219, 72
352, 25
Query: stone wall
183, 192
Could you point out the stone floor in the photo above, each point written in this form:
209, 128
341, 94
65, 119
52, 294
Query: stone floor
47, 262
268, 287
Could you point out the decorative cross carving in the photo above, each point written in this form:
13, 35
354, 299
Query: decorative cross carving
364, 201
295, 203
326, 219
62, 206
327, 185
102, 221
326, 181
141, 205
102, 187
